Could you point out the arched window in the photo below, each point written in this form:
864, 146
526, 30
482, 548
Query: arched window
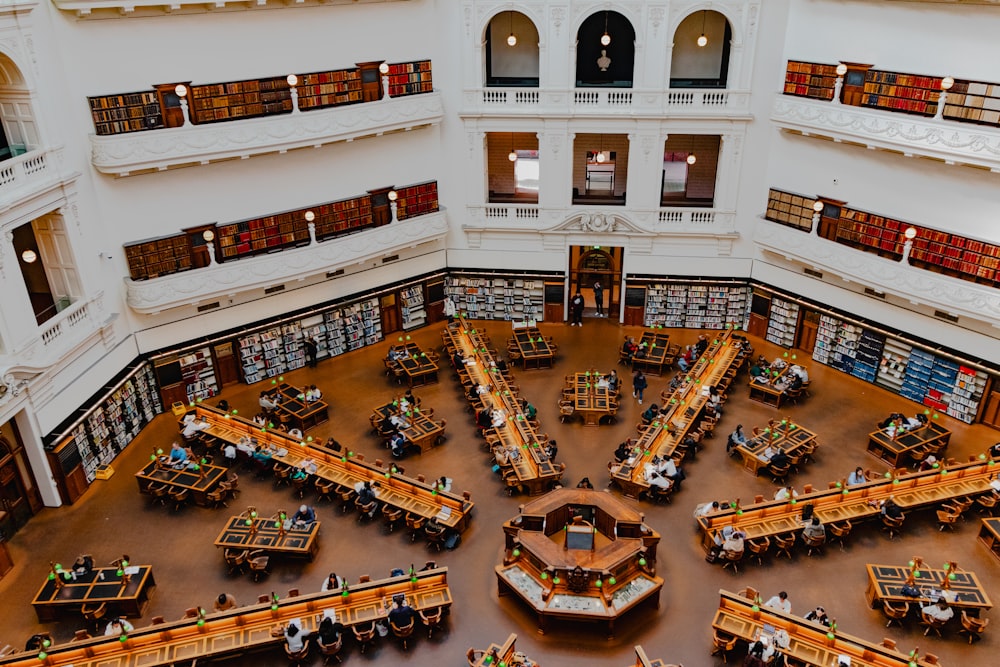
18, 128
511, 51
605, 51
700, 58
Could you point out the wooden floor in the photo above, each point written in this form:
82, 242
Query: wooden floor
112, 518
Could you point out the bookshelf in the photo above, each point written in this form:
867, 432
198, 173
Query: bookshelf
251, 358
696, 305
871, 232
315, 326
966, 394
272, 351
127, 112
412, 306
319, 90
973, 102
907, 93
158, 257
782, 322
790, 209
512, 298
291, 340
814, 80
917, 375
410, 78
198, 374
336, 334
261, 235
868, 356
235, 100
892, 368
342, 217
418, 199
371, 321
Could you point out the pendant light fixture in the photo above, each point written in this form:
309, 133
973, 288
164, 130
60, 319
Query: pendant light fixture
511, 38
600, 154
691, 158
702, 41
605, 38
29, 256
512, 155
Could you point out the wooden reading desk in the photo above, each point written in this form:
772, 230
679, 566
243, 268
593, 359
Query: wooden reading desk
658, 353
296, 412
125, 595
789, 436
271, 535
857, 503
896, 450
422, 432
684, 408
769, 393
591, 397
416, 366
535, 472
989, 534
230, 633
535, 350
199, 482
965, 592
406, 493
809, 642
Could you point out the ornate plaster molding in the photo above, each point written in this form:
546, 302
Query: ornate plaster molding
125, 154
252, 273
945, 140
918, 286
146, 8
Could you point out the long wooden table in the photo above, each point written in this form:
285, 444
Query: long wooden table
533, 468
658, 355
857, 503
789, 436
271, 535
199, 482
422, 432
405, 493
242, 629
416, 366
125, 595
683, 409
896, 450
885, 583
808, 642
989, 534
535, 350
590, 399
298, 412
766, 393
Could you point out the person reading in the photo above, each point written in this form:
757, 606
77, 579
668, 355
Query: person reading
304, 517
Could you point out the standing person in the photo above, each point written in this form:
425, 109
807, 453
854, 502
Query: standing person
639, 385
449, 309
576, 309
312, 348
599, 298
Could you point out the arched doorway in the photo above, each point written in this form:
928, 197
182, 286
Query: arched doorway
19, 498
512, 57
700, 57
593, 264
605, 51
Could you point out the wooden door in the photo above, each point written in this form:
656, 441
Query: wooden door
13, 497
757, 325
391, 319
808, 328
991, 409
227, 368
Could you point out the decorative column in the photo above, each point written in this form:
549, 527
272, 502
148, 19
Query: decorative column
310, 217
946, 84
838, 85
908, 235
293, 81
182, 92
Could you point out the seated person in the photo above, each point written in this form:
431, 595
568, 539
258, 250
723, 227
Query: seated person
408, 399
266, 402
780, 459
333, 445
498, 418
444, 484
612, 380
83, 565
402, 614
939, 611
367, 492
624, 451
658, 480
785, 493
223, 405
530, 411
262, 457
397, 443
295, 432
686, 360
929, 463
483, 419
224, 602
857, 477
778, 364
995, 451
891, 509
894, 418
458, 360
651, 413
333, 583
396, 353
767, 454
736, 438
676, 381
191, 428
734, 543
756, 371
313, 394
245, 445
818, 615
305, 516
701, 345
551, 450
640, 352
117, 627
178, 455
329, 631
259, 419
629, 347
799, 371
704, 509
814, 529
794, 383
715, 399
294, 637
585, 483
399, 421
780, 602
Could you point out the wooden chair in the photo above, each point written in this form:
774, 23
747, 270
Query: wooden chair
159, 493
947, 519
566, 410
930, 623
297, 657
94, 614
179, 497
891, 525
218, 496
364, 633
403, 633
759, 548
732, 558
432, 619
783, 545
415, 525
987, 503
814, 544
236, 560
889, 643
435, 534
347, 496
974, 627
931, 659
157, 620
839, 532
299, 486
282, 474
894, 613
258, 562
748, 592
329, 651
658, 494
723, 645
233, 482
366, 511
391, 516
324, 489
793, 395
959, 506
473, 656
779, 473
81, 635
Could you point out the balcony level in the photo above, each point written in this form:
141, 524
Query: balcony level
158, 150
588, 102
104, 9
951, 296
314, 262
27, 177
913, 136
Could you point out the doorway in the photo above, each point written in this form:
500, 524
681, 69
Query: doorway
589, 265
19, 497
391, 321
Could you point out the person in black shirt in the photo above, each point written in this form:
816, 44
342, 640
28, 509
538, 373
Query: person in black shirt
701, 345
401, 615
329, 631
780, 459
891, 509
311, 348
623, 451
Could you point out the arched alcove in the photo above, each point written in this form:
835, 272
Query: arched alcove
18, 128
700, 57
511, 51
605, 51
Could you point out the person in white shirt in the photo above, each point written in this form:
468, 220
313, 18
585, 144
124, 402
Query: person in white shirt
785, 492
780, 602
399, 421
119, 626
734, 543
939, 612
498, 418
857, 477
266, 403
192, 428
294, 637
704, 509
332, 583
295, 432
